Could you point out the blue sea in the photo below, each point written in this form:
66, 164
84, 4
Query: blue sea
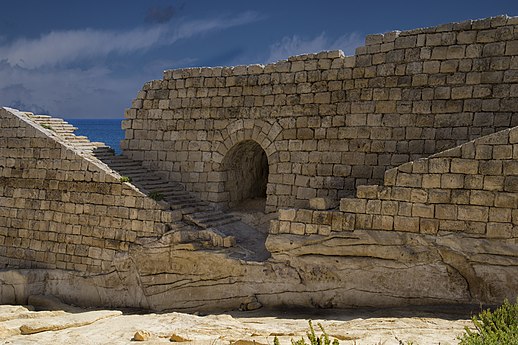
107, 131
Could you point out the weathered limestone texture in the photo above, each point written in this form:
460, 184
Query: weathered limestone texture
394, 173
327, 122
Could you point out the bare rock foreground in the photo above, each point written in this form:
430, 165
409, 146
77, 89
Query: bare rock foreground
426, 325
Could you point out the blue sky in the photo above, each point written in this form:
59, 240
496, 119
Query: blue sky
88, 59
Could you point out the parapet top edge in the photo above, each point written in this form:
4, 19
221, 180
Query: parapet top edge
370, 40
249, 69
470, 24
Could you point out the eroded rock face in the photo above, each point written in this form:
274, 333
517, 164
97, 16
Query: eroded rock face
364, 268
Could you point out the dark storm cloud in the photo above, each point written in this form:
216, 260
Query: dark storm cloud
160, 14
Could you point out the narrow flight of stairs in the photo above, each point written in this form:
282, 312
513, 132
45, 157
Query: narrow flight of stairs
194, 210
66, 131
197, 214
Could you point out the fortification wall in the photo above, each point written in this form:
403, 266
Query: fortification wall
326, 122
59, 209
472, 188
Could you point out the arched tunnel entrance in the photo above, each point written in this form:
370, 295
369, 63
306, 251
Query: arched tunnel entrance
247, 170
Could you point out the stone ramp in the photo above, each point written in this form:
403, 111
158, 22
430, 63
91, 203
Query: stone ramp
200, 221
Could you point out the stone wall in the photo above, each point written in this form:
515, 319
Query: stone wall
326, 122
472, 188
59, 209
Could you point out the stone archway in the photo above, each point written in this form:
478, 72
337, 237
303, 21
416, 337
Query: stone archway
246, 166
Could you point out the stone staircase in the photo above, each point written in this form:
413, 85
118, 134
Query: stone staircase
194, 210
66, 131
200, 221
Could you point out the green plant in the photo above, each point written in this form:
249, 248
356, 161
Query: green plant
497, 327
156, 196
46, 126
313, 339
125, 179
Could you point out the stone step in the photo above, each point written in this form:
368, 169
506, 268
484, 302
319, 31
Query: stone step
127, 166
208, 218
166, 191
210, 222
225, 221
198, 214
187, 206
136, 170
77, 138
162, 186
190, 208
53, 121
117, 163
179, 196
59, 127
103, 154
137, 177
160, 183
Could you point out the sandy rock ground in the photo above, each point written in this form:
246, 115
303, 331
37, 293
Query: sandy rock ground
424, 325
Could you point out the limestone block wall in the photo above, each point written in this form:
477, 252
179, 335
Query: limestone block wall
59, 209
471, 189
329, 123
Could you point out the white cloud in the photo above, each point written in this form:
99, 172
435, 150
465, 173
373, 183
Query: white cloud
64, 72
67, 46
295, 45
62, 47
67, 92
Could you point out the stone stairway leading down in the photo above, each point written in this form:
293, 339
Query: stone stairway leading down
199, 219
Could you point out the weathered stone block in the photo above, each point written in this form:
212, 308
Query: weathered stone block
473, 213
439, 165
408, 180
284, 227
464, 166
506, 200
428, 226
499, 230
287, 214
311, 229
511, 184
322, 217
481, 197
304, 216
324, 230
409, 224
496, 183
363, 221
452, 181
497, 214
382, 222
367, 192
400, 193
353, 205
511, 48
349, 221
322, 203
297, 228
